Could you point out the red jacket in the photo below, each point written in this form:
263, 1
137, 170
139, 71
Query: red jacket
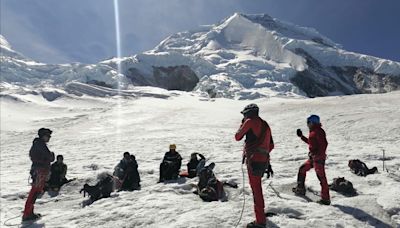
252, 127
317, 143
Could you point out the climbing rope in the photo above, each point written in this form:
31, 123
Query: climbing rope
244, 199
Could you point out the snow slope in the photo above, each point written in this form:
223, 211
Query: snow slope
93, 132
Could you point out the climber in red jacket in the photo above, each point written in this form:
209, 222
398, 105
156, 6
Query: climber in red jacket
41, 158
317, 145
258, 145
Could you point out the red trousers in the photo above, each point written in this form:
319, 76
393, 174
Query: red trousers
256, 187
40, 177
319, 167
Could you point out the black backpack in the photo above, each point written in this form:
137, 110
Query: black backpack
360, 168
343, 186
102, 189
208, 185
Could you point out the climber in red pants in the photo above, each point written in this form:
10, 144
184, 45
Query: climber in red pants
41, 158
317, 145
258, 145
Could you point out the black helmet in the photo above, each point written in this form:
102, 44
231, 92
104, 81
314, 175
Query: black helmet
44, 131
250, 110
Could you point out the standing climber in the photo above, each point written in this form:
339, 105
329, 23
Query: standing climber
317, 145
41, 158
258, 145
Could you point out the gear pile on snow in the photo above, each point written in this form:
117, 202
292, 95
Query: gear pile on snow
343, 186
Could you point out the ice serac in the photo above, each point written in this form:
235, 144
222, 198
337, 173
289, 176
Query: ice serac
158, 70
263, 55
241, 57
20, 70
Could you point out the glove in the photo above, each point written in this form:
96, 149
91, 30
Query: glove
269, 171
299, 133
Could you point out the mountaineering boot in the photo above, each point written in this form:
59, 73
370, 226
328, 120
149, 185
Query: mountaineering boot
255, 225
324, 202
299, 190
31, 217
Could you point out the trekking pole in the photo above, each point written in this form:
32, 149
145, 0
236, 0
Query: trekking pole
383, 151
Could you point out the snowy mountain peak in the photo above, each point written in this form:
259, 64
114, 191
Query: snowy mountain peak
4, 43
260, 54
242, 57
289, 30
6, 51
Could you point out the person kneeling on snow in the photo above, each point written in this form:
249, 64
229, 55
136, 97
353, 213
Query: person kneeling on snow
127, 173
58, 171
209, 188
317, 145
194, 163
170, 165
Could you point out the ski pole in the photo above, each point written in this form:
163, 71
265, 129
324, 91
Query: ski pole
383, 160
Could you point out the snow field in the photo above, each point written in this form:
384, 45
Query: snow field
92, 134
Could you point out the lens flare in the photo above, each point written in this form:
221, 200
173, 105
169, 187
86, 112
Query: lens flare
118, 121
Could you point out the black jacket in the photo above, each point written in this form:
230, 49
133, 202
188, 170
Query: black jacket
57, 175
174, 158
193, 163
58, 171
40, 155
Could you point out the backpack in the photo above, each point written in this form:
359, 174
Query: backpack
205, 175
209, 188
102, 189
360, 168
343, 186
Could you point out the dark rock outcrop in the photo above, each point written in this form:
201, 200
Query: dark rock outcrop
319, 81
51, 95
171, 78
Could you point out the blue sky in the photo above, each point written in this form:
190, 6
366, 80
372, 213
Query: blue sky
56, 31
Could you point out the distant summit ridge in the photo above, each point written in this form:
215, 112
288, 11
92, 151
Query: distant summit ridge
241, 57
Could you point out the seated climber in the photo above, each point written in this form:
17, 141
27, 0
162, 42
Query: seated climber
127, 173
193, 165
58, 171
170, 165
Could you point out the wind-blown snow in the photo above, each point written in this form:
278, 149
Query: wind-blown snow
85, 132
